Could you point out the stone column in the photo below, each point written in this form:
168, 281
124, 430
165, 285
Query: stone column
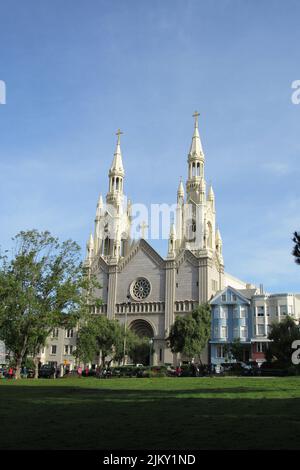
112, 291
205, 287
169, 295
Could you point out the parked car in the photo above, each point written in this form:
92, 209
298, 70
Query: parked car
47, 372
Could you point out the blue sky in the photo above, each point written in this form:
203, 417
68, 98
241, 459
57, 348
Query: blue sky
76, 71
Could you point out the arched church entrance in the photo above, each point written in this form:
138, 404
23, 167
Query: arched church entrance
143, 349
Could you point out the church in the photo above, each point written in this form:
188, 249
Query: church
140, 288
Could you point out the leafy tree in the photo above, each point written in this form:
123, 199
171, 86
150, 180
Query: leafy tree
296, 249
98, 336
189, 334
138, 348
236, 350
283, 334
42, 286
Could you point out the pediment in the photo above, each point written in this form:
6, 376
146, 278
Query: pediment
147, 250
188, 256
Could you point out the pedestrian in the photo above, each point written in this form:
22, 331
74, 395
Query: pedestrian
10, 372
87, 371
79, 371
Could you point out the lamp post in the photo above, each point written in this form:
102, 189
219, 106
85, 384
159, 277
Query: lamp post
125, 329
150, 350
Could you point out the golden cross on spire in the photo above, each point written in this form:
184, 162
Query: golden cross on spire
196, 115
118, 133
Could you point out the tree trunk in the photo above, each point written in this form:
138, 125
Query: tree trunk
19, 358
18, 367
36, 367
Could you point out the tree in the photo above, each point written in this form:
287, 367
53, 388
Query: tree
189, 334
236, 350
296, 249
99, 336
42, 286
138, 348
282, 335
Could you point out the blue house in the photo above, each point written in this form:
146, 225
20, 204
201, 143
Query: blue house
231, 319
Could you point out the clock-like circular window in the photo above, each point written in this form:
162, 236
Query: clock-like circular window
140, 289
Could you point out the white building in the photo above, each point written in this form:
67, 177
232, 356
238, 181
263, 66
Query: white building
148, 291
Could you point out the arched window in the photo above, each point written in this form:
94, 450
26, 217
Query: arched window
123, 246
106, 246
191, 230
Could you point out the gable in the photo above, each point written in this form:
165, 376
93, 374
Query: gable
149, 252
142, 262
232, 297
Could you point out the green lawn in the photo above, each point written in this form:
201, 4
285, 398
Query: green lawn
176, 413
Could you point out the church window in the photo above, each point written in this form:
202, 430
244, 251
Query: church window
223, 297
106, 246
117, 184
53, 349
140, 289
176, 284
123, 242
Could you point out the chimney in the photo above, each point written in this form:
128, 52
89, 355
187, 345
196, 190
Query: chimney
261, 289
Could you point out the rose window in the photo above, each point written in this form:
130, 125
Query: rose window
140, 289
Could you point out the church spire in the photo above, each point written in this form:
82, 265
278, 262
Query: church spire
116, 175
180, 191
196, 146
117, 164
196, 183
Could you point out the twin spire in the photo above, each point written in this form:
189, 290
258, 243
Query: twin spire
117, 164
196, 146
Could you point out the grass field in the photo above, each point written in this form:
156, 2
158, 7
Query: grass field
167, 413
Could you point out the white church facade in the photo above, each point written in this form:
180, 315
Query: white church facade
140, 287
146, 292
